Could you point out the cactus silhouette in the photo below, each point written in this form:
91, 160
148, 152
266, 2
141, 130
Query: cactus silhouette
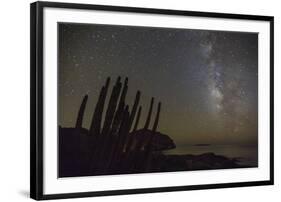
81, 112
111, 107
137, 119
112, 147
157, 118
134, 109
97, 116
149, 114
109, 116
120, 108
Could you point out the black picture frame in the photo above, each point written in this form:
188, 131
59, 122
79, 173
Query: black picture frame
37, 99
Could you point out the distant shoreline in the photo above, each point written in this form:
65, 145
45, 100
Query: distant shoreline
202, 145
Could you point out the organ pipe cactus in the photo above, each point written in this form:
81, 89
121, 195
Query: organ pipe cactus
114, 148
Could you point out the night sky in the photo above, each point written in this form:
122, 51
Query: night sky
207, 81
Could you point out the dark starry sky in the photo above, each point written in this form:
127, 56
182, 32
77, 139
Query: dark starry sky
207, 81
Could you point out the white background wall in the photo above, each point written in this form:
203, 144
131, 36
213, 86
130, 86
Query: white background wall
14, 100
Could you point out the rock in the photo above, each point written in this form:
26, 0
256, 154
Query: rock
160, 141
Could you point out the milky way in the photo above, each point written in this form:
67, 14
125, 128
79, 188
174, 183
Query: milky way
207, 81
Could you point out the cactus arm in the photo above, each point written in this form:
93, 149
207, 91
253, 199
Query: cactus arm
81, 112
137, 119
157, 118
111, 107
134, 109
117, 116
149, 114
97, 116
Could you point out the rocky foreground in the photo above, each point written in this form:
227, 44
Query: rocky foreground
188, 162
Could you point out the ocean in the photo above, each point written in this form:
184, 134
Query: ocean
247, 155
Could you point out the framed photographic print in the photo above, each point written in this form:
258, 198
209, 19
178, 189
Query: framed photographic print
134, 100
